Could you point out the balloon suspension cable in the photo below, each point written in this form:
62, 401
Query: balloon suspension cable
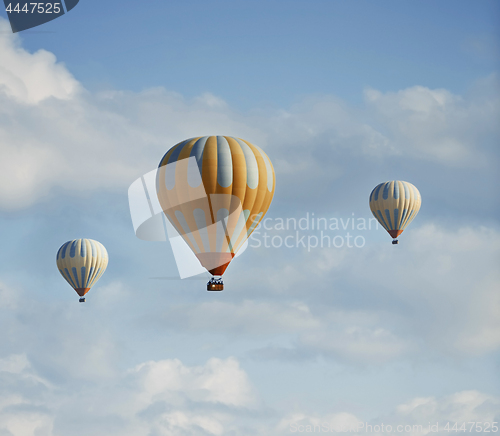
395, 241
215, 284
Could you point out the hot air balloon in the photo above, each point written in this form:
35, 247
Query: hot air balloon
82, 262
215, 190
394, 204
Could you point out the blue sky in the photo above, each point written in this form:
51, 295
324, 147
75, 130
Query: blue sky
271, 53
342, 95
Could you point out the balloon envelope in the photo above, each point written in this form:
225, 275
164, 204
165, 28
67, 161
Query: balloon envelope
82, 262
395, 204
215, 190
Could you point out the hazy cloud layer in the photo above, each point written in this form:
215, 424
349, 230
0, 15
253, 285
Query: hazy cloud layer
157, 397
362, 305
169, 398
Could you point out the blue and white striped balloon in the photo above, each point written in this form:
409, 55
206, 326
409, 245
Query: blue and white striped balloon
394, 204
82, 262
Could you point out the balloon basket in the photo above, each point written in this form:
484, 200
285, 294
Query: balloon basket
82, 300
395, 242
215, 284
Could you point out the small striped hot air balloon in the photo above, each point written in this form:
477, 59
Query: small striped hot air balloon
394, 204
82, 262
215, 190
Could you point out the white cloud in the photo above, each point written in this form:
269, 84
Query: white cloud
155, 397
349, 335
219, 381
21, 423
437, 293
412, 418
59, 138
15, 363
76, 344
56, 137
450, 278
437, 125
30, 78
169, 397
460, 407
23, 393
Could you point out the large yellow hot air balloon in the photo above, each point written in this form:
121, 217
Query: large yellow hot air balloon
395, 204
82, 262
215, 190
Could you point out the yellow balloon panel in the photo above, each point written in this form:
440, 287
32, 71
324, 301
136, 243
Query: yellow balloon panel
215, 190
